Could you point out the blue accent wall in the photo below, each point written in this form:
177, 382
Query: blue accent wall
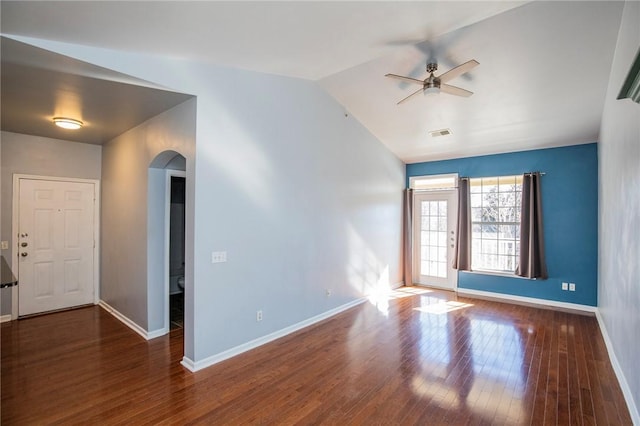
570, 208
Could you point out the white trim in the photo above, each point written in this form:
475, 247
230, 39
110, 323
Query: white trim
214, 359
5, 318
15, 208
624, 385
189, 364
147, 335
397, 285
529, 300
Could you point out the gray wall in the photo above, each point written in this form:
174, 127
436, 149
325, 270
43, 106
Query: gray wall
132, 282
302, 197
619, 193
34, 155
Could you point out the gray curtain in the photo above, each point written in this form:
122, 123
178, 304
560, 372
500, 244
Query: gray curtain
408, 237
532, 263
462, 256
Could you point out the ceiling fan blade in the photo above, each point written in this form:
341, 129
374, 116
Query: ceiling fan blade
403, 78
454, 90
414, 93
459, 70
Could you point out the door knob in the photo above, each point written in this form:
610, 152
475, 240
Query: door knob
24, 254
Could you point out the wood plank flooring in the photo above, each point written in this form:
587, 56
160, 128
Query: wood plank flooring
421, 357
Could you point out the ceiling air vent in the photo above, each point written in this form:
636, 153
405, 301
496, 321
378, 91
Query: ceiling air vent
441, 132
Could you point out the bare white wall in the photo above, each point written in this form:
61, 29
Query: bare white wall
35, 155
619, 199
129, 229
302, 198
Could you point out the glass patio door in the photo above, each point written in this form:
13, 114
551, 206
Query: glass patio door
434, 223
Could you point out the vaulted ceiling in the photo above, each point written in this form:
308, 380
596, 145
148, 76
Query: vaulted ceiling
541, 81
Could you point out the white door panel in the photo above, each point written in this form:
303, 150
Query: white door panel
435, 217
56, 247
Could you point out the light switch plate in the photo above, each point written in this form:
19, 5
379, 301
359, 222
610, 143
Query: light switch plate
5, 245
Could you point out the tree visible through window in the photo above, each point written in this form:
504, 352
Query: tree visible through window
495, 220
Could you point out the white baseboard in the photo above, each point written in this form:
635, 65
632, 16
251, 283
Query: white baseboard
5, 318
397, 285
527, 300
188, 364
624, 385
147, 335
214, 359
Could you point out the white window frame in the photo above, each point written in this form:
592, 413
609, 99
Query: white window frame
414, 182
476, 263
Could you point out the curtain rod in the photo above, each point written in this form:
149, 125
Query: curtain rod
526, 173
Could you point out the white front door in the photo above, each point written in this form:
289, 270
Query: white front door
55, 245
434, 225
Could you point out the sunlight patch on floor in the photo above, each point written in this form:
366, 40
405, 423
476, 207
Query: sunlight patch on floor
403, 292
443, 307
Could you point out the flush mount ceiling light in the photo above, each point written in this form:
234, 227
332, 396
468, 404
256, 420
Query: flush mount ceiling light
67, 123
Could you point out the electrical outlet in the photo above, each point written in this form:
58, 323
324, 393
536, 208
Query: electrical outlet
259, 316
572, 286
565, 286
218, 256
5, 245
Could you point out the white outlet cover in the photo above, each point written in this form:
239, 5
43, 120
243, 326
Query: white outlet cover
218, 256
5, 245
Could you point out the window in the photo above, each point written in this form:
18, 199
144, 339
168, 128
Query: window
495, 222
434, 182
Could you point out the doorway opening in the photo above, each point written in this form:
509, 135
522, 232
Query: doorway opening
166, 243
176, 187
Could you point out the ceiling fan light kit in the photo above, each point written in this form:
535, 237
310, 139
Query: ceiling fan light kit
436, 84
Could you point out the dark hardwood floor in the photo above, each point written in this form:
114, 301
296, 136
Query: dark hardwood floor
422, 357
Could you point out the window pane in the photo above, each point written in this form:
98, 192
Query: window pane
433, 208
476, 214
475, 186
489, 232
507, 232
433, 238
424, 238
506, 183
442, 208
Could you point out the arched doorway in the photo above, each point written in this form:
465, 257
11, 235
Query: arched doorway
166, 210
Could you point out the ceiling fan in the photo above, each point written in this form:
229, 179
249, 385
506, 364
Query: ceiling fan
433, 84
